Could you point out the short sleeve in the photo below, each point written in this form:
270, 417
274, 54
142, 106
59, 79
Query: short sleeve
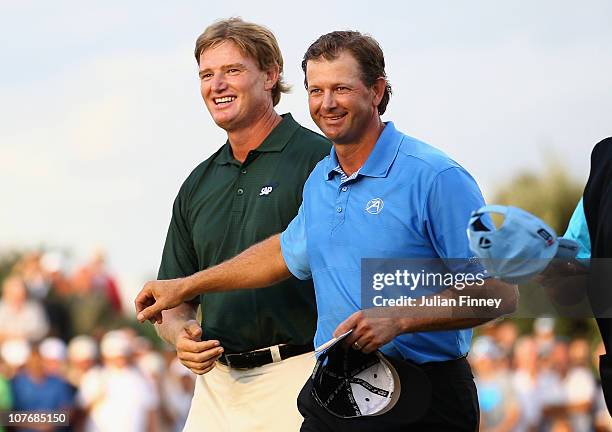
578, 230
452, 198
294, 246
179, 258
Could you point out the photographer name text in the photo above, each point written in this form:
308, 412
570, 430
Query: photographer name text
436, 301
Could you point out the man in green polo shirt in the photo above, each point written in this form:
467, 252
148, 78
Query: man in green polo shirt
253, 350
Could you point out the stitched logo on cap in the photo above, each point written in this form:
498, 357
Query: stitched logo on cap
546, 236
484, 243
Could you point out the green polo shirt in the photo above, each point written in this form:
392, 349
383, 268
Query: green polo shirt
223, 208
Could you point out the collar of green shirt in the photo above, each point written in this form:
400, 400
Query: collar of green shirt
274, 142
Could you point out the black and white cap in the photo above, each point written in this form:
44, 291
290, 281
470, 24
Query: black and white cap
349, 383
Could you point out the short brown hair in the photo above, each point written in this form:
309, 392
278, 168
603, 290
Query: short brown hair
364, 48
253, 40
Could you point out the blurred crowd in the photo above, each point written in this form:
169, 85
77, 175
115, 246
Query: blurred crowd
41, 296
65, 345
537, 381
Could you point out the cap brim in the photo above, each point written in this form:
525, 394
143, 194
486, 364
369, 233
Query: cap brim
331, 343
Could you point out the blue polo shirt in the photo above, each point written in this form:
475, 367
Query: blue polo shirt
51, 394
409, 200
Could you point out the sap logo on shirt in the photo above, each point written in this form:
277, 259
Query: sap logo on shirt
267, 189
374, 206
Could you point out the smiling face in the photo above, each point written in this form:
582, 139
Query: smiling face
235, 91
341, 105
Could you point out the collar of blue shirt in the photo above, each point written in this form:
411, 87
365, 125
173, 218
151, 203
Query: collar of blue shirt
380, 160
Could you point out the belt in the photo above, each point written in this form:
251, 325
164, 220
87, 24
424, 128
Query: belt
253, 359
458, 363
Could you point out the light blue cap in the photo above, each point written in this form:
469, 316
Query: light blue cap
521, 248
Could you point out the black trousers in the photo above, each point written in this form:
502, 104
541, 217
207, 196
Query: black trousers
454, 406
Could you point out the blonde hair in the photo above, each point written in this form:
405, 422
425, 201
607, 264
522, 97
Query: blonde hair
253, 40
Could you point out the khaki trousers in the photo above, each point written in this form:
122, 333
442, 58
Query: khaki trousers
251, 400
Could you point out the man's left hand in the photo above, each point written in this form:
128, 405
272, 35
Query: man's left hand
369, 332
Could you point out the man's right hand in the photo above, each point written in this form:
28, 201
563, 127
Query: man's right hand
196, 355
159, 295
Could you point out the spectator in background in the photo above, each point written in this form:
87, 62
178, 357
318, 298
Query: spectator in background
152, 366
179, 386
544, 334
580, 385
524, 380
45, 281
33, 274
35, 390
55, 304
102, 281
82, 355
54, 267
53, 352
567, 389
551, 392
561, 425
15, 353
505, 336
117, 397
20, 317
6, 400
499, 408
141, 346
89, 310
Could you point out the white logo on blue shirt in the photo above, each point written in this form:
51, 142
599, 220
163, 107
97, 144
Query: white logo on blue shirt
374, 206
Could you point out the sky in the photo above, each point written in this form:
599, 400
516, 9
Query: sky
101, 118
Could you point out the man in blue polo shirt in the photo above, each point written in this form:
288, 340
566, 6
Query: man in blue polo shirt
380, 194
